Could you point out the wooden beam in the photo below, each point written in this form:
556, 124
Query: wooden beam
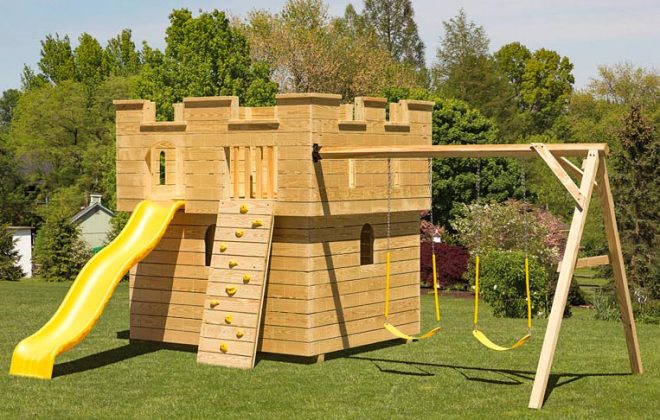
620, 280
456, 151
563, 284
559, 172
573, 170
589, 262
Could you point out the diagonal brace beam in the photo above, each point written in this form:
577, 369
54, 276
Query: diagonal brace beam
560, 173
573, 170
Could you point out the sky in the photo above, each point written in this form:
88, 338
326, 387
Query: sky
589, 32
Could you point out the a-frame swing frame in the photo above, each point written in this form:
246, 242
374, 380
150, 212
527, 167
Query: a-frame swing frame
591, 177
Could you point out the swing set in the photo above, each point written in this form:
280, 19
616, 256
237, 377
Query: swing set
476, 332
591, 177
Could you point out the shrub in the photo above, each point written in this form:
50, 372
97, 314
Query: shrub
9, 268
59, 251
502, 284
451, 263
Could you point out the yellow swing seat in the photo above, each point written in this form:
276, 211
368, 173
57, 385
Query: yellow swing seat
486, 341
394, 330
480, 336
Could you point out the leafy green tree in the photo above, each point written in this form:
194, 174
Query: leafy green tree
57, 61
121, 57
88, 60
60, 253
9, 257
624, 84
8, 102
637, 197
512, 59
394, 23
62, 133
454, 179
14, 201
205, 56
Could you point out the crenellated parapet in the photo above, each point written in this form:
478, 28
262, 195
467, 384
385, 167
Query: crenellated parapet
214, 150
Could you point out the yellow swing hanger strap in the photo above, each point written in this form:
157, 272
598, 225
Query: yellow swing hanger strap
480, 336
391, 328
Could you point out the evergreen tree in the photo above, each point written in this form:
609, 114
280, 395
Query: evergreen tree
60, 253
394, 24
9, 258
464, 70
637, 197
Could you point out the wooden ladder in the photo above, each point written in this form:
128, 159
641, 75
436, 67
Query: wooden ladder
237, 282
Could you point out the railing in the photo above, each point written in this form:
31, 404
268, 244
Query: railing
252, 171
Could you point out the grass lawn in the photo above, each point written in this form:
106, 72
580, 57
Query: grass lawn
450, 375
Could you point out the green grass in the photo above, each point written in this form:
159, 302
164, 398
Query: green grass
448, 376
590, 282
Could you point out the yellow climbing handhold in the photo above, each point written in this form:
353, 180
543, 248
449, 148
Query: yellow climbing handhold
240, 334
244, 208
233, 263
246, 278
239, 233
214, 303
224, 348
229, 319
257, 222
223, 247
231, 291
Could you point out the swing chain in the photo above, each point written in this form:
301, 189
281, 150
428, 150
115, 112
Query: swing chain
478, 202
523, 182
389, 201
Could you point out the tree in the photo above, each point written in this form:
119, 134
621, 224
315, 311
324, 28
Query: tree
310, 52
60, 253
623, 84
62, 133
205, 56
9, 257
637, 197
512, 59
14, 201
464, 70
121, 58
57, 61
88, 60
8, 102
394, 23
455, 179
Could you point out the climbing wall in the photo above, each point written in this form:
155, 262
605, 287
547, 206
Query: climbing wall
237, 280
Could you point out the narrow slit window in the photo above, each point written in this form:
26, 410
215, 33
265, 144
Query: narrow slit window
161, 168
208, 242
367, 245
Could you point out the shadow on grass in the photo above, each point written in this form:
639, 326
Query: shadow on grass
471, 373
105, 358
130, 350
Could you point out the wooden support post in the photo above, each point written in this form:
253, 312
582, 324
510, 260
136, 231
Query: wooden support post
563, 283
234, 170
258, 163
620, 280
271, 172
248, 172
559, 172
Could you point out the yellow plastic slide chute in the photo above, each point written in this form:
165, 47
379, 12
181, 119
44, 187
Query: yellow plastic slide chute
82, 306
394, 330
480, 335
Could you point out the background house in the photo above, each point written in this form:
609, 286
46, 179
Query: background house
94, 221
22, 236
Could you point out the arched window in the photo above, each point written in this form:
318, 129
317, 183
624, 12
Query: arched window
367, 245
208, 242
161, 168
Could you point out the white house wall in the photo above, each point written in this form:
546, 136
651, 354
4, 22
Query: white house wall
23, 244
